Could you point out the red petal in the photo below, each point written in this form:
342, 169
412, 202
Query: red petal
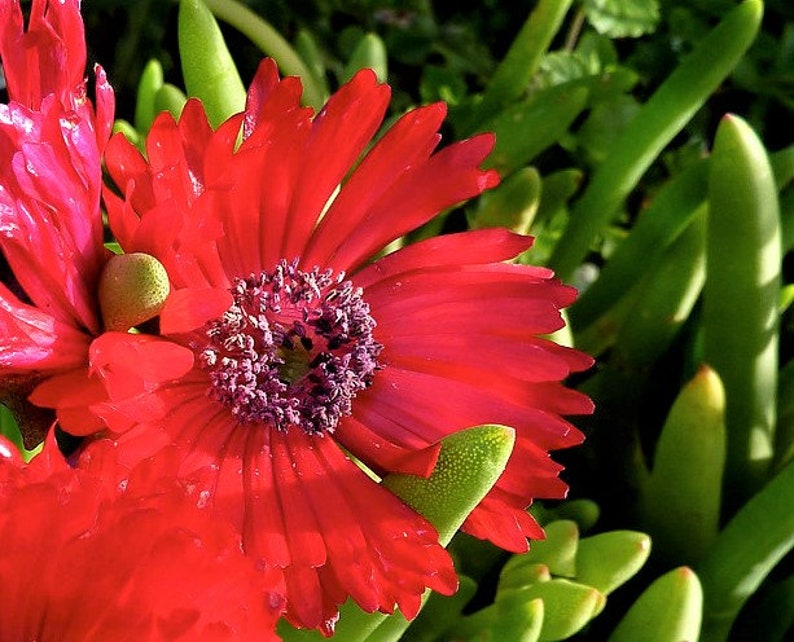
529, 359
339, 134
408, 143
276, 133
32, 340
131, 364
298, 501
69, 390
464, 248
47, 59
190, 308
447, 178
382, 454
414, 409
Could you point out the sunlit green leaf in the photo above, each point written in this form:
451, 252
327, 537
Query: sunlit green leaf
623, 18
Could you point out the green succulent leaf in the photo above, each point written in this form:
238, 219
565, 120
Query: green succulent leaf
667, 111
514, 73
469, 464
170, 98
525, 129
741, 298
681, 501
207, 66
585, 512
669, 610
370, 53
150, 83
605, 561
9, 428
567, 606
520, 572
743, 554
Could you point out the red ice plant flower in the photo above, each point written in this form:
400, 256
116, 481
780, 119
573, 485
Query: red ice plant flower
51, 232
135, 560
290, 347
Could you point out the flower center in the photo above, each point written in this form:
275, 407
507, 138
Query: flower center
293, 349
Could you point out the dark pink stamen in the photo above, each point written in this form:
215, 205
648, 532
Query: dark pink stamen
293, 349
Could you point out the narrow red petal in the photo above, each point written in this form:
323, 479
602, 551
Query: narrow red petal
447, 178
340, 133
469, 248
384, 455
410, 141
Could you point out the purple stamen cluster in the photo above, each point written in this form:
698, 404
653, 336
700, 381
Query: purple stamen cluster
293, 349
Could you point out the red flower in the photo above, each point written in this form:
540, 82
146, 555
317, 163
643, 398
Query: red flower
51, 231
134, 561
288, 349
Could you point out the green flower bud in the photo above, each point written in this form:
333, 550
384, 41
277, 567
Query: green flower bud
132, 289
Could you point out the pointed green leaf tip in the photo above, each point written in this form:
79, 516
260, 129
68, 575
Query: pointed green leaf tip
669, 610
207, 66
132, 289
469, 464
680, 504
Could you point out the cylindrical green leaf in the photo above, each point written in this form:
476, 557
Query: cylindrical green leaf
207, 66
311, 55
522, 573
607, 560
787, 218
557, 189
669, 610
657, 122
148, 86
681, 501
525, 129
784, 433
782, 162
744, 553
512, 75
520, 619
664, 299
585, 512
369, 53
656, 228
772, 617
9, 428
512, 204
740, 312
